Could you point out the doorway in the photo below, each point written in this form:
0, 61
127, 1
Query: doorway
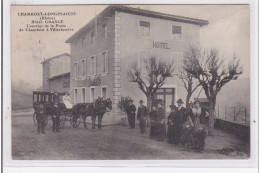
168, 97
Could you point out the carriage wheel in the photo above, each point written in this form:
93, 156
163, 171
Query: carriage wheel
75, 122
34, 119
62, 121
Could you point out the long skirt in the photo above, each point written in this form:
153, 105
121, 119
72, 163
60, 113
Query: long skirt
160, 131
153, 130
171, 133
199, 137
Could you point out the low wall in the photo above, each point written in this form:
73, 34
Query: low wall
242, 131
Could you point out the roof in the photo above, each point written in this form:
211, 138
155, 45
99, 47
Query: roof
47, 60
59, 76
138, 11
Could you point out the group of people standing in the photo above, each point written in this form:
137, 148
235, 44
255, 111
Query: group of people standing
171, 127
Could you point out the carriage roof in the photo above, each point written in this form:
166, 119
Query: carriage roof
45, 92
44, 97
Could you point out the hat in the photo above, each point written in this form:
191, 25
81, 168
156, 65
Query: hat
141, 101
172, 106
180, 101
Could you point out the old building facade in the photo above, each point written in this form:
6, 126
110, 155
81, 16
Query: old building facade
56, 73
103, 51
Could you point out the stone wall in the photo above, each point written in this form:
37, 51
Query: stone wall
242, 131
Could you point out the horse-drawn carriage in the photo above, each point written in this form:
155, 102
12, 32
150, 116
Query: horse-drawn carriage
77, 114
47, 99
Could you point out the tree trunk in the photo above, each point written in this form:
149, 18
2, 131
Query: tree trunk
188, 100
149, 102
211, 115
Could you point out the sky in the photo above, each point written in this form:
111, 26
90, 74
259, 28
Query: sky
228, 31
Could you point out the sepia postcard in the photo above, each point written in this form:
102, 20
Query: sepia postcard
151, 84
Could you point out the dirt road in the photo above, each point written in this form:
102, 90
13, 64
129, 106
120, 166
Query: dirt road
112, 142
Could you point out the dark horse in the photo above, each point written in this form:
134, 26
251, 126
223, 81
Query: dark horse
96, 109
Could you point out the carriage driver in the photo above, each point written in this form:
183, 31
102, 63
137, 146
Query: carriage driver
66, 101
56, 113
41, 119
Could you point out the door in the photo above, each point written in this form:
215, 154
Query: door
167, 95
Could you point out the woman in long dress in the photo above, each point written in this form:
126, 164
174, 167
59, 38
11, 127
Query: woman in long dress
66, 101
200, 118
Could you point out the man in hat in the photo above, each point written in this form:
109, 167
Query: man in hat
171, 132
41, 117
180, 118
131, 109
141, 116
56, 112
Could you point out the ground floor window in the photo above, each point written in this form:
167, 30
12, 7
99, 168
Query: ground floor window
75, 95
83, 95
104, 92
92, 94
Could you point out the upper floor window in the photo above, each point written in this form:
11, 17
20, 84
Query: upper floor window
83, 68
104, 62
93, 38
93, 65
104, 29
83, 42
176, 32
144, 29
75, 70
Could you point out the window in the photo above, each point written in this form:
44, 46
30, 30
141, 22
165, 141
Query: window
104, 31
93, 39
47, 98
144, 29
178, 60
88, 65
83, 95
104, 62
92, 94
82, 42
93, 65
83, 68
176, 32
104, 92
75, 95
75, 70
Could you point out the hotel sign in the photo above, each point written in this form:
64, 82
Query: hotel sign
160, 45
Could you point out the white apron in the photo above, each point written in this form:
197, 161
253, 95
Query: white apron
66, 101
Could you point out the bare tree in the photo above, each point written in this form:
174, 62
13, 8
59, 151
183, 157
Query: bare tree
211, 72
150, 78
187, 80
